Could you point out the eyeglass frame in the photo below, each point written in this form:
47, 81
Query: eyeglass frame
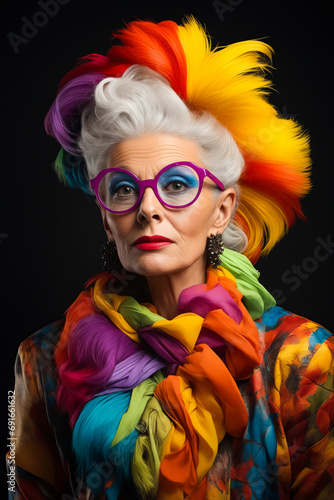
153, 183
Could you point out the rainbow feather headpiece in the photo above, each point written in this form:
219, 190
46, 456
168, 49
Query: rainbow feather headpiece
230, 82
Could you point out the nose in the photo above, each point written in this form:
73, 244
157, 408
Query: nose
149, 207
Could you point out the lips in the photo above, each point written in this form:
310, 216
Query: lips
152, 242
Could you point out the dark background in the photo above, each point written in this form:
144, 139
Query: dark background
50, 236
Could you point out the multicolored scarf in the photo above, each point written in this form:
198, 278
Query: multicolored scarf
150, 399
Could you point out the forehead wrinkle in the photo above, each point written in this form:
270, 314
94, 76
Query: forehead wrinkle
152, 153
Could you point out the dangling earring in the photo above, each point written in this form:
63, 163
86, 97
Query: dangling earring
110, 257
215, 247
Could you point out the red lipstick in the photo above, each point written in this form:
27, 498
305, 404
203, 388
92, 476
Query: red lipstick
152, 242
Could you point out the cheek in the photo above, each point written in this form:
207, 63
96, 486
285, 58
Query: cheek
196, 222
120, 225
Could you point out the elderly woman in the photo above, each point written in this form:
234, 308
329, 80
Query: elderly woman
174, 375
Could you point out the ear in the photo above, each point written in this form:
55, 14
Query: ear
223, 212
104, 215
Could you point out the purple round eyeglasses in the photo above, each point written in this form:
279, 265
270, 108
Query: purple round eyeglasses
177, 185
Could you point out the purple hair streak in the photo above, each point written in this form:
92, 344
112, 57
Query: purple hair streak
63, 120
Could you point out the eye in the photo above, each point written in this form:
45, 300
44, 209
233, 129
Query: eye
123, 190
122, 187
178, 180
175, 185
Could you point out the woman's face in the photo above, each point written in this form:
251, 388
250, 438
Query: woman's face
186, 229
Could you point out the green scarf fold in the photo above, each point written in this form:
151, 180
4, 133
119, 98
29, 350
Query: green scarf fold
256, 298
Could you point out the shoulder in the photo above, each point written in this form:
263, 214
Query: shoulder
297, 355
297, 358
283, 331
45, 338
36, 352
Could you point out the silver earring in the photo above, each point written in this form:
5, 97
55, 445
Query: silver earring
215, 247
110, 257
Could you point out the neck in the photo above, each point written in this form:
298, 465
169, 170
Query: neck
166, 289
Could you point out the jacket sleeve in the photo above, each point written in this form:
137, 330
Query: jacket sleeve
33, 455
304, 377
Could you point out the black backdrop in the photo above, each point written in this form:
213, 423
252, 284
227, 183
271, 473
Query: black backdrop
50, 236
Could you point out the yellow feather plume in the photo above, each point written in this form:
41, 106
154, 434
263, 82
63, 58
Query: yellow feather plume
231, 83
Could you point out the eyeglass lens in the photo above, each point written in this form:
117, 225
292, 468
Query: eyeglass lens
176, 186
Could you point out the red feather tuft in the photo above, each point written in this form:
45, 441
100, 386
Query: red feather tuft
156, 46
278, 182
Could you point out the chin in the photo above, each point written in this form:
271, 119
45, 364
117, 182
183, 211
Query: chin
152, 265
152, 270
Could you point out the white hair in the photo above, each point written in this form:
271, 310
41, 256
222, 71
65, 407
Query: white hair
141, 102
